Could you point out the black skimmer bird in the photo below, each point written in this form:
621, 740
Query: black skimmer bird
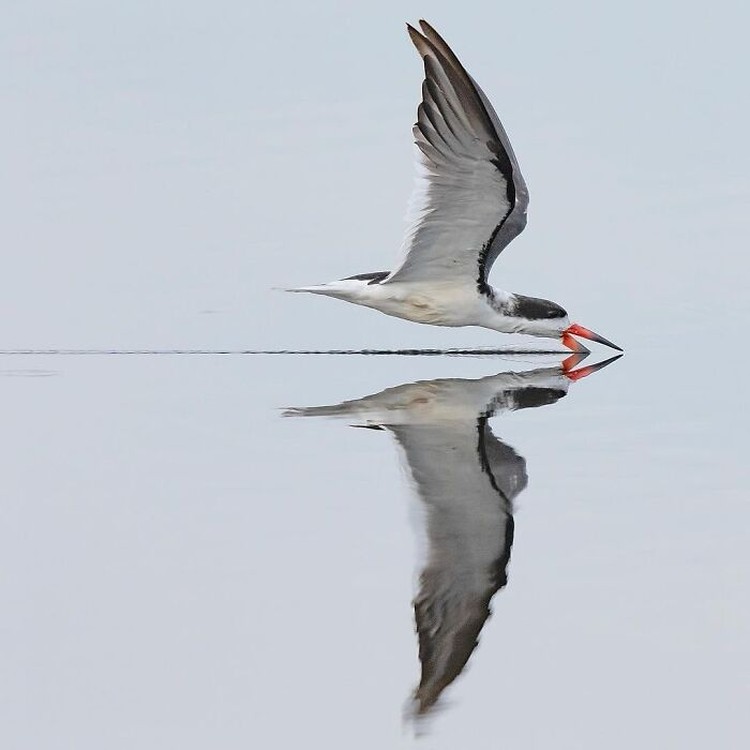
466, 480
469, 203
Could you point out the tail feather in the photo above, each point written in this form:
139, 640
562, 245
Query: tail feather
318, 289
340, 289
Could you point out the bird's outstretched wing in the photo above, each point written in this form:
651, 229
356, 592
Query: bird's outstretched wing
470, 199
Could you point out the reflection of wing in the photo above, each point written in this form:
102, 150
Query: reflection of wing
467, 480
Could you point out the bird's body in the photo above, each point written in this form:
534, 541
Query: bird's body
445, 303
469, 204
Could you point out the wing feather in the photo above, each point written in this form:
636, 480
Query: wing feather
470, 199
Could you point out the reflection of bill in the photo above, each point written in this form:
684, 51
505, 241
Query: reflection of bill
467, 480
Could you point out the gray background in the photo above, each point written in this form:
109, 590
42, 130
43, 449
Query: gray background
179, 566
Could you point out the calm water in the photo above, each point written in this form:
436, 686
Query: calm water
186, 566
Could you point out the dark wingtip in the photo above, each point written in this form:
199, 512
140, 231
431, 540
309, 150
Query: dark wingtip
417, 39
426, 27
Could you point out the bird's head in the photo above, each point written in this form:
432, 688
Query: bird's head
544, 318
538, 317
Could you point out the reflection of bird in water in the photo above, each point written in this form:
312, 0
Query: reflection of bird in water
467, 480
469, 204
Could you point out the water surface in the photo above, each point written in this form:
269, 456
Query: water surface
184, 565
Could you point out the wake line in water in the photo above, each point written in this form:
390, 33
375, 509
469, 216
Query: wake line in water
482, 352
